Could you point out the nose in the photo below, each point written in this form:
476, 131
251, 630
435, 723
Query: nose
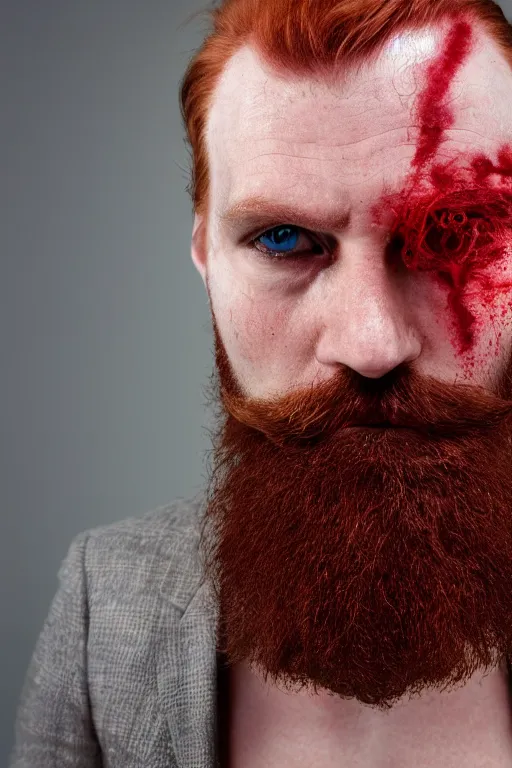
368, 322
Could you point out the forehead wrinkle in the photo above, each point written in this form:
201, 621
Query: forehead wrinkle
382, 165
470, 131
333, 145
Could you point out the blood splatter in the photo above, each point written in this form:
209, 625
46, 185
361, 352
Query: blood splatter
483, 167
450, 220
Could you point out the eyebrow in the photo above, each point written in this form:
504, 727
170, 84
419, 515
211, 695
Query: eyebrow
259, 210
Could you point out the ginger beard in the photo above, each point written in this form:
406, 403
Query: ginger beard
366, 562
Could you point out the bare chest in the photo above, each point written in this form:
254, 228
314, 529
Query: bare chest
305, 752
461, 729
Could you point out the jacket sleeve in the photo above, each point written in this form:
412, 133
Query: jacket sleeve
54, 726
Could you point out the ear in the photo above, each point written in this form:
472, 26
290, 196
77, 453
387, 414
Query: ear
199, 246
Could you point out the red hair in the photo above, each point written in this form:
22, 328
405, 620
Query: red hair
307, 37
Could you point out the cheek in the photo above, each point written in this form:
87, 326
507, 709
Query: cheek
474, 321
488, 301
260, 324
258, 328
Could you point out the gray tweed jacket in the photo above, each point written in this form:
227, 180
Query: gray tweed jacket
124, 672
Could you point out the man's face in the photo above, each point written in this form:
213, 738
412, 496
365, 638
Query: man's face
335, 153
367, 562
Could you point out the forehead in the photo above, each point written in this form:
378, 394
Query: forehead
268, 135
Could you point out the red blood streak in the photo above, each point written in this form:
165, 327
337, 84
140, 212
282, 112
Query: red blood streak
435, 115
453, 222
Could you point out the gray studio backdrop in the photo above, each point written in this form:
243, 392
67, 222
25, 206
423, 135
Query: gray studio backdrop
104, 326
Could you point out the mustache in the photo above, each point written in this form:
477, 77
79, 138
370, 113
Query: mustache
401, 398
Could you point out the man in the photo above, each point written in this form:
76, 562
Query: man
349, 571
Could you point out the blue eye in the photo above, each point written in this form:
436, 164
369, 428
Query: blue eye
280, 243
281, 239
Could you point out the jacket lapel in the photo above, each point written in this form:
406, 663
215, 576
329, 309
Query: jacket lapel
187, 673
